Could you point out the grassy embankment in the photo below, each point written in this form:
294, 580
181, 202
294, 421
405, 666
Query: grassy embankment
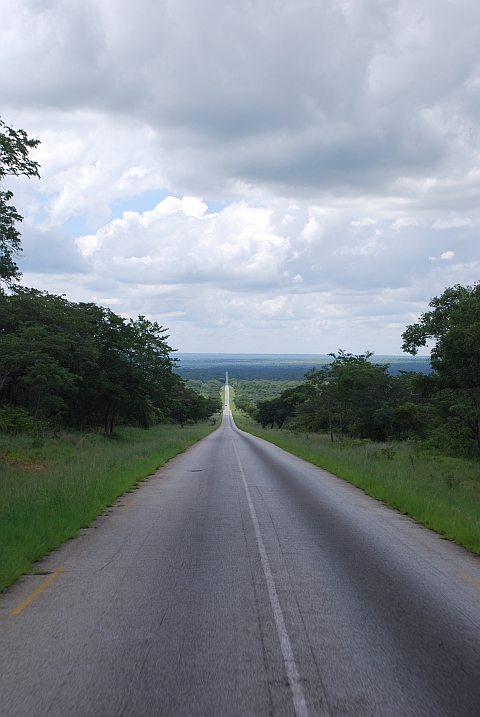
438, 491
48, 492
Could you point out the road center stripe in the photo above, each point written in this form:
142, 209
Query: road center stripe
367, 508
36, 592
124, 507
290, 665
467, 577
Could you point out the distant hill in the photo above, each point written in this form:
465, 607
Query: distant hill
280, 367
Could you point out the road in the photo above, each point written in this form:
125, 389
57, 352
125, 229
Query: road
241, 580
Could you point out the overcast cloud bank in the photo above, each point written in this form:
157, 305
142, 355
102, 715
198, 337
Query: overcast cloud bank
340, 141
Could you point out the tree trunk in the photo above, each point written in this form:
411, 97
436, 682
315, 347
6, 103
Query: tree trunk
109, 414
36, 413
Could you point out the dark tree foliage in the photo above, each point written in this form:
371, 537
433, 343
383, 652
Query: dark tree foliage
277, 410
454, 326
82, 365
246, 405
346, 395
351, 398
14, 160
186, 405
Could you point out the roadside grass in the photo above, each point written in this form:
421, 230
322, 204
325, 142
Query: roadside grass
51, 488
441, 492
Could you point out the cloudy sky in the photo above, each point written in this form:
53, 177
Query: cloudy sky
288, 176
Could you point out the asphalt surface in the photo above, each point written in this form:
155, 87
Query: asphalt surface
242, 580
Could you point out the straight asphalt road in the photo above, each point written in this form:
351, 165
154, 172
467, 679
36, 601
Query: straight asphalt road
241, 580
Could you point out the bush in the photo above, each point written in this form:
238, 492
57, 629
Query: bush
15, 420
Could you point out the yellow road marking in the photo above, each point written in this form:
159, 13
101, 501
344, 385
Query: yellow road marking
368, 508
467, 577
124, 507
36, 592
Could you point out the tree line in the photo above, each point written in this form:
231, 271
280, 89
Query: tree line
81, 365
77, 364
355, 398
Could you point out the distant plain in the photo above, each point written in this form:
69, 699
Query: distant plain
275, 367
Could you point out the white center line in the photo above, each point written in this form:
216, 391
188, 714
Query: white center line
290, 665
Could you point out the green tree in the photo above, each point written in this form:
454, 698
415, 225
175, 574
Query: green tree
347, 395
132, 379
454, 326
81, 364
277, 410
187, 406
244, 404
46, 348
14, 160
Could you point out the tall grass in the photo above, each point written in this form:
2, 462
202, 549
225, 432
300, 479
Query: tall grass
49, 489
441, 492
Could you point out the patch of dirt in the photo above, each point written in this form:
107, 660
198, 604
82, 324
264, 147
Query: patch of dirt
21, 463
30, 466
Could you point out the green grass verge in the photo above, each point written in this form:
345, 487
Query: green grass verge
441, 492
47, 493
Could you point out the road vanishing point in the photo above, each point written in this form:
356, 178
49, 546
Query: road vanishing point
240, 581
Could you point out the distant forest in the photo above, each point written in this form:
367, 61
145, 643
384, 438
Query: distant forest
249, 367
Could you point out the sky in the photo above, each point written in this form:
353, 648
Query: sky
267, 176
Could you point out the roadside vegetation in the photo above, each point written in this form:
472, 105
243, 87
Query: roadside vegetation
442, 492
354, 398
52, 486
78, 365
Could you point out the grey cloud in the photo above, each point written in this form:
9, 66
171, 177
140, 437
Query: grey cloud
50, 252
300, 96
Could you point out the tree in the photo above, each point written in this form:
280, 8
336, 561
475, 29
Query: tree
346, 396
277, 410
132, 379
454, 326
14, 160
246, 405
187, 406
46, 349
82, 365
